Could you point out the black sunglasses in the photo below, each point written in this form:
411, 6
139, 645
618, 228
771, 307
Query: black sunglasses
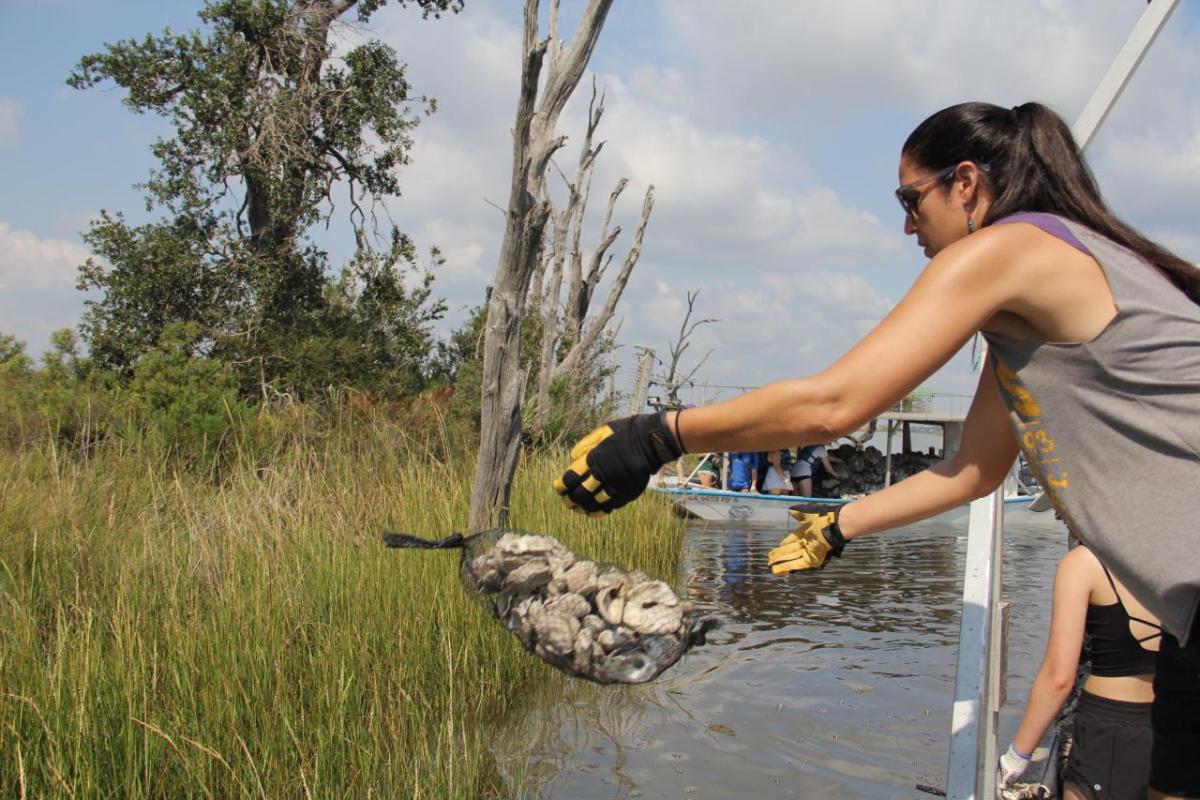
908, 195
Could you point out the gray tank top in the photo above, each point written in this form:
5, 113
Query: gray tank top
1111, 427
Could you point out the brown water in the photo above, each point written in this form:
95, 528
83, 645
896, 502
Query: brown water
834, 684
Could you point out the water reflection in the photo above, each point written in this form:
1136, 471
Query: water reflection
830, 684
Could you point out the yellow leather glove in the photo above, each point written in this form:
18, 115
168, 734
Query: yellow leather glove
814, 540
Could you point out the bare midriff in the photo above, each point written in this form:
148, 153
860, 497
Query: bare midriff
1131, 689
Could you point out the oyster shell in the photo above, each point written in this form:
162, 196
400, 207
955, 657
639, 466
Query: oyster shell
597, 622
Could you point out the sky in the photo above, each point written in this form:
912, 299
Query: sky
770, 131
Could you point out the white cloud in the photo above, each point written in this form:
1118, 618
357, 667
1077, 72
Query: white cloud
465, 272
37, 285
757, 123
848, 294
827, 60
461, 156
770, 131
30, 263
662, 314
1158, 172
1184, 245
731, 205
10, 118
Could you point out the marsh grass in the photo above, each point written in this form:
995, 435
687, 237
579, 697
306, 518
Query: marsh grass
239, 631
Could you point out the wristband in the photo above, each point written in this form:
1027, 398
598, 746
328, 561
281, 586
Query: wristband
678, 438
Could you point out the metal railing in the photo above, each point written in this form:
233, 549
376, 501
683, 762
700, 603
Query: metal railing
979, 679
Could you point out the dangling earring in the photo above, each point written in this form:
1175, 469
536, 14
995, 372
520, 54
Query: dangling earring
970, 224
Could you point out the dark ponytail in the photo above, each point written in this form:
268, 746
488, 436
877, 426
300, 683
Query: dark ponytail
1034, 165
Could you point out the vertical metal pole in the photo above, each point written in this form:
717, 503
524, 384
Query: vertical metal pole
976, 685
1114, 81
887, 475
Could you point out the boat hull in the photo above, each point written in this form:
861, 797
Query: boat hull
771, 511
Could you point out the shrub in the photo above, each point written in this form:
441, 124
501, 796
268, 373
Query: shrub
191, 399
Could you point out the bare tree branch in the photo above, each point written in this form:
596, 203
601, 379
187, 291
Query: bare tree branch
673, 382
605, 241
573, 357
576, 307
567, 221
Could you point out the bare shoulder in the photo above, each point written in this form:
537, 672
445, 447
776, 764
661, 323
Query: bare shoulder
1081, 557
1079, 566
1020, 245
1005, 257
1045, 288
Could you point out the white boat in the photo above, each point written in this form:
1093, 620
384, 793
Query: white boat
1021, 503
769, 510
718, 505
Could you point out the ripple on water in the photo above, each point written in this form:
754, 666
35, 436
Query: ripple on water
836, 683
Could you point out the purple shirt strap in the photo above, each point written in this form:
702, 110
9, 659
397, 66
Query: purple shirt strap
1049, 223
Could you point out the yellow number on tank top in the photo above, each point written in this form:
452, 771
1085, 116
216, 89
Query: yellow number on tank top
1038, 441
1022, 401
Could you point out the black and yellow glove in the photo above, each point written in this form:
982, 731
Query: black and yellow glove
612, 465
814, 540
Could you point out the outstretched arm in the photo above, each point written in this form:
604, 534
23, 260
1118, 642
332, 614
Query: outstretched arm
983, 460
987, 452
957, 293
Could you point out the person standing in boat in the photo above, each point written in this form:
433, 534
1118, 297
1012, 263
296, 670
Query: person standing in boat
1111, 741
762, 463
743, 471
811, 461
1094, 361
776, 481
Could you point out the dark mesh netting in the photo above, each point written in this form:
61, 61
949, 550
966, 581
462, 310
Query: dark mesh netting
593, 621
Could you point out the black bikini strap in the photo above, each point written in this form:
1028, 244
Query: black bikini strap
1131, 617
1113, 584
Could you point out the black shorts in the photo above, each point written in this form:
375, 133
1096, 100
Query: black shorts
1175, 764
1110, 749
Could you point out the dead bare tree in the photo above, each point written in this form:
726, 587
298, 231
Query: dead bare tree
534, 143
553, 258
587, 334
567, 347
675, 377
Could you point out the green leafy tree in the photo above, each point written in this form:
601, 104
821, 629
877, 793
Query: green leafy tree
272, 128
13, 361
66, 400
16, 390
376, 333
62, 361
191, 398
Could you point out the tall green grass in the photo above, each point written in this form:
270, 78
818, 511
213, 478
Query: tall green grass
241, 632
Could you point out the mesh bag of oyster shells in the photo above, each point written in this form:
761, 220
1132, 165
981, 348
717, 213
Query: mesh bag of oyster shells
591, 620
